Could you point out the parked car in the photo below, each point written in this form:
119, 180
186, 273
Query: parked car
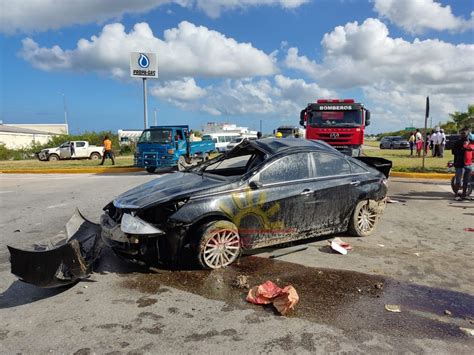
450, 139
236, 141
394, 142
71, 150
221, 139
261, 193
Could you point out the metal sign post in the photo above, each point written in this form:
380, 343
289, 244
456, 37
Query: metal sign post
425, 134
144, 65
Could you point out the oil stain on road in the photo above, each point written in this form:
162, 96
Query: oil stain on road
348, 300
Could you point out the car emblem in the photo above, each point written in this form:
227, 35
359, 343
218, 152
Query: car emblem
334, 135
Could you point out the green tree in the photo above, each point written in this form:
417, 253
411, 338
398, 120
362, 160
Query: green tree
463, 119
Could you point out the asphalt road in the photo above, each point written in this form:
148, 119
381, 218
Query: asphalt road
420, 258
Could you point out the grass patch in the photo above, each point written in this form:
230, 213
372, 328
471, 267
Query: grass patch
122, 161
403, 162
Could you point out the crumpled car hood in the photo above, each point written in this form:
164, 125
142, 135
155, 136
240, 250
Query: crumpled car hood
167, 188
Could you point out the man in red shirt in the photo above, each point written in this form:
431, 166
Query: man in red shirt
468, 148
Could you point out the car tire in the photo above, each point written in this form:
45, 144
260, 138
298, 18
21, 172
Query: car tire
150, 169
381, 146
391, 146
94, 156
218, 244
53, 157
364, 219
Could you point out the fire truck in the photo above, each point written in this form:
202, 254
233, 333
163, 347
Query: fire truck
338, 122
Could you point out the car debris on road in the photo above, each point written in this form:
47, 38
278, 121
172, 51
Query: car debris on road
283, 299
261, 193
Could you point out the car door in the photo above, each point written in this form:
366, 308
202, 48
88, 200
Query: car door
335, 193
65, 150
277, 201
80, 150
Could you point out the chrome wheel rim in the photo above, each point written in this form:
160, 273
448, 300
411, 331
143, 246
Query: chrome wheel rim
366, 218
222, 248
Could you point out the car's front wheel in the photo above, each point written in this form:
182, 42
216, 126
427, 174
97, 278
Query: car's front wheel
219, 244
365, 218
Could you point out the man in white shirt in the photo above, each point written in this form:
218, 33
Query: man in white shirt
436, 140
442, 142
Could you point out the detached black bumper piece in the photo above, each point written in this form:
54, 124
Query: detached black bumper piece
61, 263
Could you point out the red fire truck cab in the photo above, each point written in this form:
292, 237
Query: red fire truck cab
338, 122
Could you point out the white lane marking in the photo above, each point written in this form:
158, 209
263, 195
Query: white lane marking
58, 205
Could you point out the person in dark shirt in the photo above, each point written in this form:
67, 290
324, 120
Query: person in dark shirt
458, 152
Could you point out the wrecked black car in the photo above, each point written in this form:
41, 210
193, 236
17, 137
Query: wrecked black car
261, 193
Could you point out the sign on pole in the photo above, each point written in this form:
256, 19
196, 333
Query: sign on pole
144, 65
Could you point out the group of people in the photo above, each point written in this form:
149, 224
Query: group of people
435, 141
462, 151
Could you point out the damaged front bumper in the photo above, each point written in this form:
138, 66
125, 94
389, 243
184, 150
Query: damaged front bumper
54, 264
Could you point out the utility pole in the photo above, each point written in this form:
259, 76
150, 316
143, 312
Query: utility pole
155, 121
65, 112
261, 126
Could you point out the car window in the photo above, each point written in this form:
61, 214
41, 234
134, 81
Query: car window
356, 168
179, 134
80, 144
291, 167
329, 165
221, 139
228, 138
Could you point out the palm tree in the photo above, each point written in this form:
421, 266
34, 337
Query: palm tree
464, 119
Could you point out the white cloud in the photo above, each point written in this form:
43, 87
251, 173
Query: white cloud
420, 15
394, 74
185, 51
282, 96
178, 90
41, 15
213, 8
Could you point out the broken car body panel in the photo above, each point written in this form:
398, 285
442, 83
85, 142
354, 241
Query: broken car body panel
54, 264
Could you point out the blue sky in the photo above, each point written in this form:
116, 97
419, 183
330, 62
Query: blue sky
238, 61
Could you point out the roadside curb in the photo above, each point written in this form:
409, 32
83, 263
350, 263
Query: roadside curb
106, 170
442, 176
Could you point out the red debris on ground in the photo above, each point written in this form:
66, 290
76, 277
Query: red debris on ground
284, 300
469, 229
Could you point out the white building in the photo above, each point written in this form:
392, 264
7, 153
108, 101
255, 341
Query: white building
127, 136
54, 128
14, 137
216, 127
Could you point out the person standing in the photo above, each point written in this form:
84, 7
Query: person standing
418, 142
411, 141
442, 142
436, 140
108, 152
259, 135
461, 158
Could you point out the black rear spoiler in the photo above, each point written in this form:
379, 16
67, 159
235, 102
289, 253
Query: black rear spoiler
381, 164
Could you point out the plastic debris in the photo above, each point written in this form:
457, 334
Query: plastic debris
381, 245
467, 331
395, 308
417, 254
448, 312
241, 281
341, 247
389, 200
283, 299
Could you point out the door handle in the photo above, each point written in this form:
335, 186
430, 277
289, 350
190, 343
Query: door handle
306, 192
355, 183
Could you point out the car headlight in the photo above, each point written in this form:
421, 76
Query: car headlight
134, 225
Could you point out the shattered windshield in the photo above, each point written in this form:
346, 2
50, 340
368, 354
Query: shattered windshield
236, 162
351, 118
155, 136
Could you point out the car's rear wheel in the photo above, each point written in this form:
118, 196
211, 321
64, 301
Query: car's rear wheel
219, 244
53, 157
381, 146
150, 169
365, 218
95, 156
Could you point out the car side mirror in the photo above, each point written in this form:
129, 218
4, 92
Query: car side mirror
255, 185
367, 118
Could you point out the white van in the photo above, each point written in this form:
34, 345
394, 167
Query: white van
221, 139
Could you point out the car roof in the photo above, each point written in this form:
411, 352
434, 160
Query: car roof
273, 146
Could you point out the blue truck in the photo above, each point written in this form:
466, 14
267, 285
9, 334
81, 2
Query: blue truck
169, 146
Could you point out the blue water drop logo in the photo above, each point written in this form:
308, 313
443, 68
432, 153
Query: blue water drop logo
143, 61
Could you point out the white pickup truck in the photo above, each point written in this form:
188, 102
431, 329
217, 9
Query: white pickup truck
71, 150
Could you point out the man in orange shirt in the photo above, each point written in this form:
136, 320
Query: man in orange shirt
108, 152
